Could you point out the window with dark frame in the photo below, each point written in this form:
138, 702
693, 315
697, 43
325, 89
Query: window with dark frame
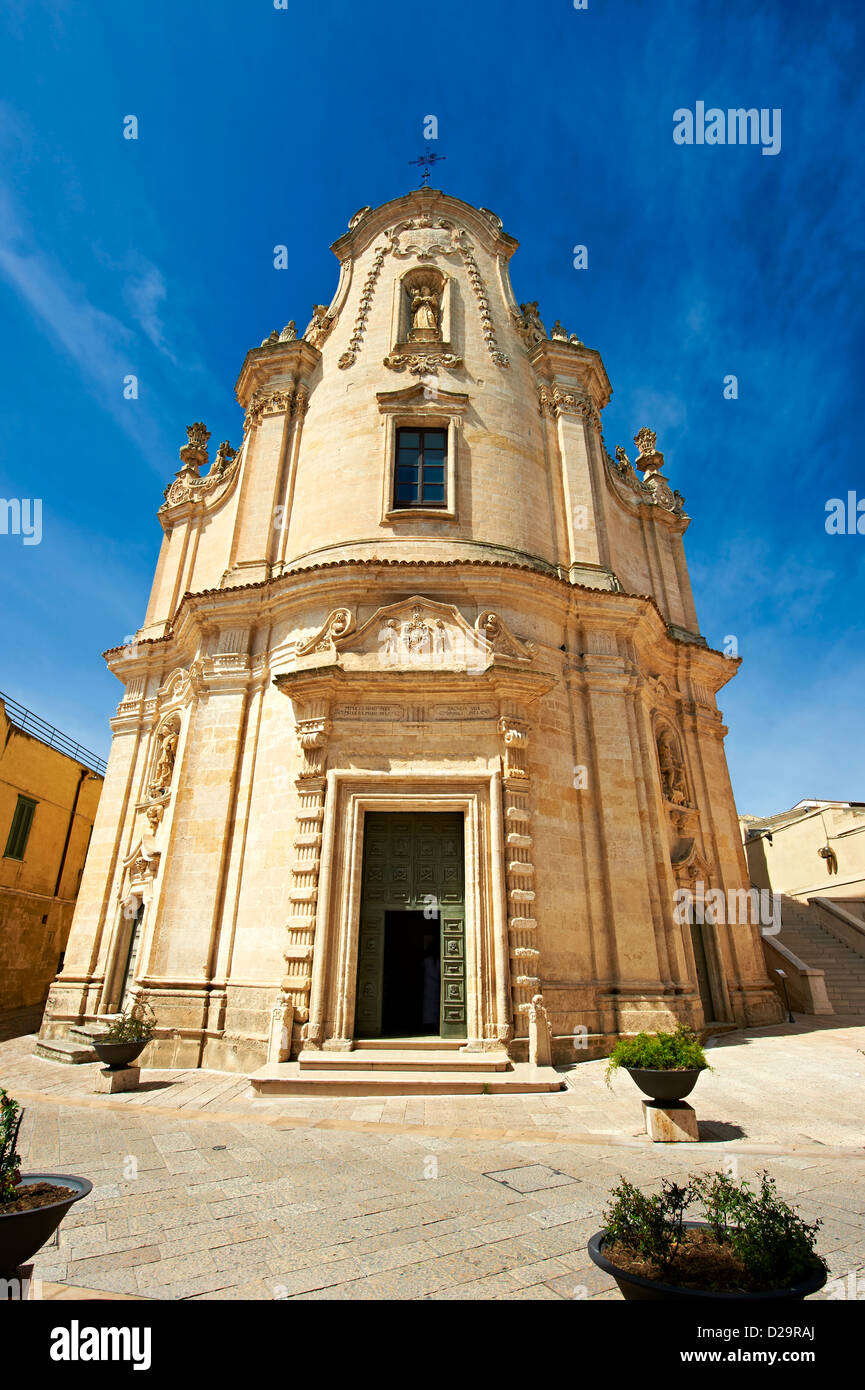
420, 468
19, 831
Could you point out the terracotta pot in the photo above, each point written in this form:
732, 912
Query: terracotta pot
634, 1287
22, 1233
665, 1085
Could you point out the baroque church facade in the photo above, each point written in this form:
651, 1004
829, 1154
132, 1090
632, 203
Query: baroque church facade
419, 736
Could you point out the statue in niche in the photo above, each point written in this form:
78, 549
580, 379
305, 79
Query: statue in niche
424, 312
672, 770
165, 762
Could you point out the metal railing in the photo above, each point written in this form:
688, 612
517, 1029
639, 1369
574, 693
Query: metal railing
30, 723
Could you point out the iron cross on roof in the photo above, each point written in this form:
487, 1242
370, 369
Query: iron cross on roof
427, 161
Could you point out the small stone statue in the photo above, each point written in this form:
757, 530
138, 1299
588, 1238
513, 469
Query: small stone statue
540, 1040
289, 333
672, 772
424, 309
165, 761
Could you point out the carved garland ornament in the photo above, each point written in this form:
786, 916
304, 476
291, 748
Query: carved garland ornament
350, 357
421, 363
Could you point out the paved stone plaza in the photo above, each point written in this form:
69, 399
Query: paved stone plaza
201, 1191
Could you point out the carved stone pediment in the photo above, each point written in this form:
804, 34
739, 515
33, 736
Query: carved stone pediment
415, 634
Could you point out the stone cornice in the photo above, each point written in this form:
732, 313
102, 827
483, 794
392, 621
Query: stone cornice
555, 361
275, 364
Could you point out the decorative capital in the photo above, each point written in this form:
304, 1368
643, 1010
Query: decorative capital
515, 738
312, 735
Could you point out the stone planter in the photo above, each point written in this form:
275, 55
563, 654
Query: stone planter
119, 1054
22, 1233
665, 1085
634, 1287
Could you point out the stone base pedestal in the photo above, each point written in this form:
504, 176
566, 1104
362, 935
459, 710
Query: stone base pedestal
671, 1122
124, 1079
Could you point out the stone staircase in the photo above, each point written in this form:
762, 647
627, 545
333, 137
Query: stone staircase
71, 1050
404, 1067
843, 968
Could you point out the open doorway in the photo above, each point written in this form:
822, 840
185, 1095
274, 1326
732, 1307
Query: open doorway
411, 978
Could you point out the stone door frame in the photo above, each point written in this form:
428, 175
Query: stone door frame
350, 794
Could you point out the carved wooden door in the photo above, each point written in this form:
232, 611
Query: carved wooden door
704, 983
412, 862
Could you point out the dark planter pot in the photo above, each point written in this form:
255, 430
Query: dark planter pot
22, 1233
119, 1054
634, 1287
665, 1085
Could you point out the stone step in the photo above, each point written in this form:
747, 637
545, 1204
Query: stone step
378, 1060
427, 1043
286, 1079
843, 969
65, 1050
87, 1032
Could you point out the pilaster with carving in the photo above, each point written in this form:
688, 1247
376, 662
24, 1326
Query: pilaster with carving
312, 735
519, 868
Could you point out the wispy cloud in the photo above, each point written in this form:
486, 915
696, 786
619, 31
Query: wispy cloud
144, 293
101, 345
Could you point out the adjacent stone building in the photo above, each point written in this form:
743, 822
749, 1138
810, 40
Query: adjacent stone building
816, 848
49, 791
419, 724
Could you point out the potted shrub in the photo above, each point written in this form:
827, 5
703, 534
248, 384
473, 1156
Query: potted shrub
126, 1037
749, 1245
32, 1205
665, 1066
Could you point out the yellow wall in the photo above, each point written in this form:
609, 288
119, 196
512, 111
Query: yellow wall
36, 911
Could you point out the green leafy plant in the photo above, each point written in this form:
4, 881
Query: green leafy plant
135, 1025
763, 1241
679, 1051
11, 1116
773, 1242
650, 1225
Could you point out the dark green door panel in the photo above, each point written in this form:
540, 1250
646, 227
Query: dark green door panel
412, 862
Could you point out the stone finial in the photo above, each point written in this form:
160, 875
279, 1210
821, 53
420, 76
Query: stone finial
224, 456
289, 332
649, 459
194, 453
559, 331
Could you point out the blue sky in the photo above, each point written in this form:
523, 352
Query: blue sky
260, 126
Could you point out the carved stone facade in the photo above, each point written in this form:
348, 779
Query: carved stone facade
317, 658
